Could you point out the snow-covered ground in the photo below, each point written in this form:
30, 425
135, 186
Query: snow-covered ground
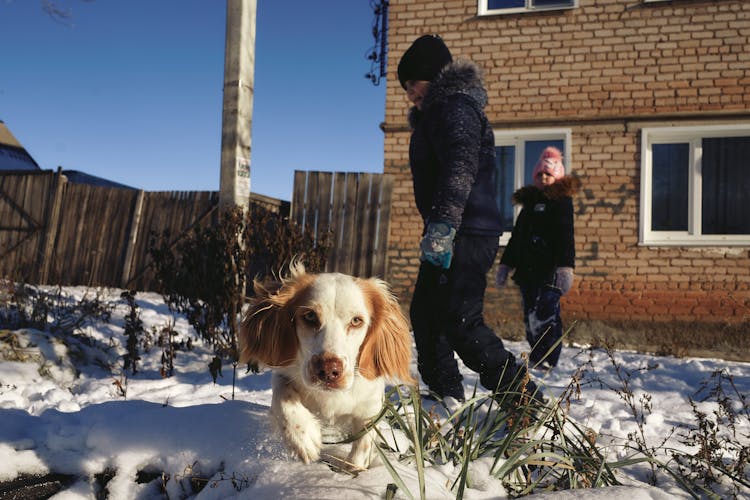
64, 410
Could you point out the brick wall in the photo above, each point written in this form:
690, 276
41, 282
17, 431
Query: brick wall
605, 70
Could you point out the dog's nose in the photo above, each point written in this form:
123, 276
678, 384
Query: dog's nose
327, 368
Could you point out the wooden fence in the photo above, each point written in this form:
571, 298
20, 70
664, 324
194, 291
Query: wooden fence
57, 232
354, 209
53, 231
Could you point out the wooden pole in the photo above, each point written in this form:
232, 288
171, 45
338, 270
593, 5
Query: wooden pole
52, 223
135, 224
239, 74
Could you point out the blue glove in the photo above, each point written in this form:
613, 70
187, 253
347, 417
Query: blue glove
502, 275
437, 244
564, 279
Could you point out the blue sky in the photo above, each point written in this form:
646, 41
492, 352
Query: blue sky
131, 90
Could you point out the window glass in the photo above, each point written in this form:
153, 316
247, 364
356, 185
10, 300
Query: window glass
505, 4
726, 184
505, 159
515, 157
527, 4
695, 185
669, 187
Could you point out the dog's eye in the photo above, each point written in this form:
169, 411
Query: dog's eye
310, 318
356, 322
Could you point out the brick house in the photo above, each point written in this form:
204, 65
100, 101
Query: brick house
650, 102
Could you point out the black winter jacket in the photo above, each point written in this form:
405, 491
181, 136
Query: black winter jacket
452, 153
542, 238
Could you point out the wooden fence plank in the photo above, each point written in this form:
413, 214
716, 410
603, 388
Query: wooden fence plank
384, 226
135, 222
298, 197
97, 243
373, 213
346, 259
324, 211
361, 222
147, 234
77, 255
312, 204
337, 221
50, 234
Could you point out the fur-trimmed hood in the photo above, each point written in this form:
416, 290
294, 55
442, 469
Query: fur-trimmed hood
567, 186
458, 77
452, 153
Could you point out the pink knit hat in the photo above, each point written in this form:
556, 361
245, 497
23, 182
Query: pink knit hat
550, 162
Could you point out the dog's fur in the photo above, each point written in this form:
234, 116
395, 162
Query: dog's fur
331, 340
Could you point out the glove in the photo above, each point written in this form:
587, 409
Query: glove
437, 244
502, 275
564, 279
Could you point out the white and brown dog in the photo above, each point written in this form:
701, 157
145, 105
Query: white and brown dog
331, 340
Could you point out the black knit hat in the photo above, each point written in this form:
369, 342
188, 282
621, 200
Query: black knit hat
423, 60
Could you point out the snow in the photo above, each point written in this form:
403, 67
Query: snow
68, 407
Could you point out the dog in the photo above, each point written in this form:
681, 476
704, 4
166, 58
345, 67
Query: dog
331, 341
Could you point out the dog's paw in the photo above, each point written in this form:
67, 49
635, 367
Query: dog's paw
305, 442
361, 453
298, 426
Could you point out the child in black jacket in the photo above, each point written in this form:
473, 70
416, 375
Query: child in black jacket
452, 162
542, 252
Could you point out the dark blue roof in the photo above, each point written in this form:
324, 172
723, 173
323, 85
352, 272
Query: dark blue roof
12, 158
78, 177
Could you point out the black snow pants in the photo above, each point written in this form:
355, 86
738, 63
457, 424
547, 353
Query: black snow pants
447, 316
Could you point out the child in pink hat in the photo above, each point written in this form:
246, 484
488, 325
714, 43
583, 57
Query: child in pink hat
541, 249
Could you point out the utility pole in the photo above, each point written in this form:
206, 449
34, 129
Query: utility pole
237, 111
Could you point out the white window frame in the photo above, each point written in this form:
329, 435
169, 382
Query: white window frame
693, 136
483, 10
517, 138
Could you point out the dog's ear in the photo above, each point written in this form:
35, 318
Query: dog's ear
386, 350
267, 332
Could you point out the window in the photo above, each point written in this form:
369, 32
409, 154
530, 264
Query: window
516, 153
489, 7
695, 185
